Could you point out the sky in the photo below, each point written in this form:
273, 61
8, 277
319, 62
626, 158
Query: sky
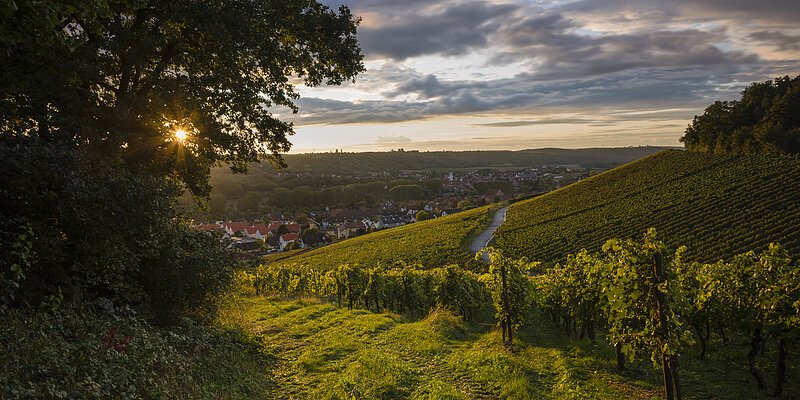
520, 74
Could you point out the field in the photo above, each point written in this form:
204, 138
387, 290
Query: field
431, 243
324, 352
716, 205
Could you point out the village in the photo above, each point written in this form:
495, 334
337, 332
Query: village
298, 228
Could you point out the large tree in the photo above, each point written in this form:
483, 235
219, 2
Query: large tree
118, 78
93, 94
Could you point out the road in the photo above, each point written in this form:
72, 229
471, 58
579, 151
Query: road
483, 239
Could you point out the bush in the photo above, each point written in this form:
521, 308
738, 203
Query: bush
97, 231
103, 351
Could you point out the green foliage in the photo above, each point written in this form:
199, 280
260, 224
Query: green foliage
446, 161
103, 76
101, 351
407, 192
510, 288
107, 233
423, 215
432, 243
715, 205
752, 290
403, 289
640, 307
14, 261
764, 120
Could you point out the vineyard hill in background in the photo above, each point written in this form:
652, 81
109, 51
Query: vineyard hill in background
716, 205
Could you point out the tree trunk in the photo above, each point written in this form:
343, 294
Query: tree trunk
721, 331
780, 370
676, 378
668, 383
620, 358
662, 306
755, 346
592, 337
583, 330
703, 340
510, 330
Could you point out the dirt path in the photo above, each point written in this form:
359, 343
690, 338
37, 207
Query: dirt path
486, 236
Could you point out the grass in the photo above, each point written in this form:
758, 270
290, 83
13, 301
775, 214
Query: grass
326, 352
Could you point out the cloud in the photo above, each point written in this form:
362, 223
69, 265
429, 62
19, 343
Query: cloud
778, 39
543, 121
449, 30
589, 57
550, 46
390, 140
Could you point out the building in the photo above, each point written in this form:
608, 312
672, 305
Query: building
288, 238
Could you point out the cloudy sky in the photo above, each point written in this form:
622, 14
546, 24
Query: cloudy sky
517, 74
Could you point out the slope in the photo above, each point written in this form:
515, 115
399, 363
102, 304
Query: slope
716, 205
431, 243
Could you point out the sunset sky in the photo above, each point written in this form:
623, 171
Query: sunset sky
472, 75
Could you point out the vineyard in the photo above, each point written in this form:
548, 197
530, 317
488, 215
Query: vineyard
433, 243
716, 205
649, 304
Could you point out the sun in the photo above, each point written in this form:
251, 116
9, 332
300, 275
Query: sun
181, 134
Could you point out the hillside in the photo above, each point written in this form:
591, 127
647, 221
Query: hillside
431, 243
358, 163
717, 205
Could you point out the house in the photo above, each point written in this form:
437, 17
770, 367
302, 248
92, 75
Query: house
368, 223
495, 195
231, 228
273, 227
245, 244
216, 228
293, 227
390, 221
256, 231
288, 238
449, 211
350, 229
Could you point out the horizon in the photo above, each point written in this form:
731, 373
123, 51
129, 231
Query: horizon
413, 150
511, 75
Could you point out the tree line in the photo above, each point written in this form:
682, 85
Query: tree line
764, 120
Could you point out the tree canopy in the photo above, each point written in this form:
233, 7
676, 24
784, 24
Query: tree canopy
119, 78
765, 119
110, 109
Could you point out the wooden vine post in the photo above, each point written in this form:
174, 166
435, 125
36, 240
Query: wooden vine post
507, 337
669, 364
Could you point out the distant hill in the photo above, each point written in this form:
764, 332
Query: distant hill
352, 163
717, 205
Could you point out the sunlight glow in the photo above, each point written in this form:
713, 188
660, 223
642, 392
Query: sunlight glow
181, 134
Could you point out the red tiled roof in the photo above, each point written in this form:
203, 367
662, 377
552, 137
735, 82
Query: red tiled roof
356, 225
257, 227
209, 227
236, 226
293, 228
288, 237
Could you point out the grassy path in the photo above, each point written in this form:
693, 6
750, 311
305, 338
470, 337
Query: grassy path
324, 352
